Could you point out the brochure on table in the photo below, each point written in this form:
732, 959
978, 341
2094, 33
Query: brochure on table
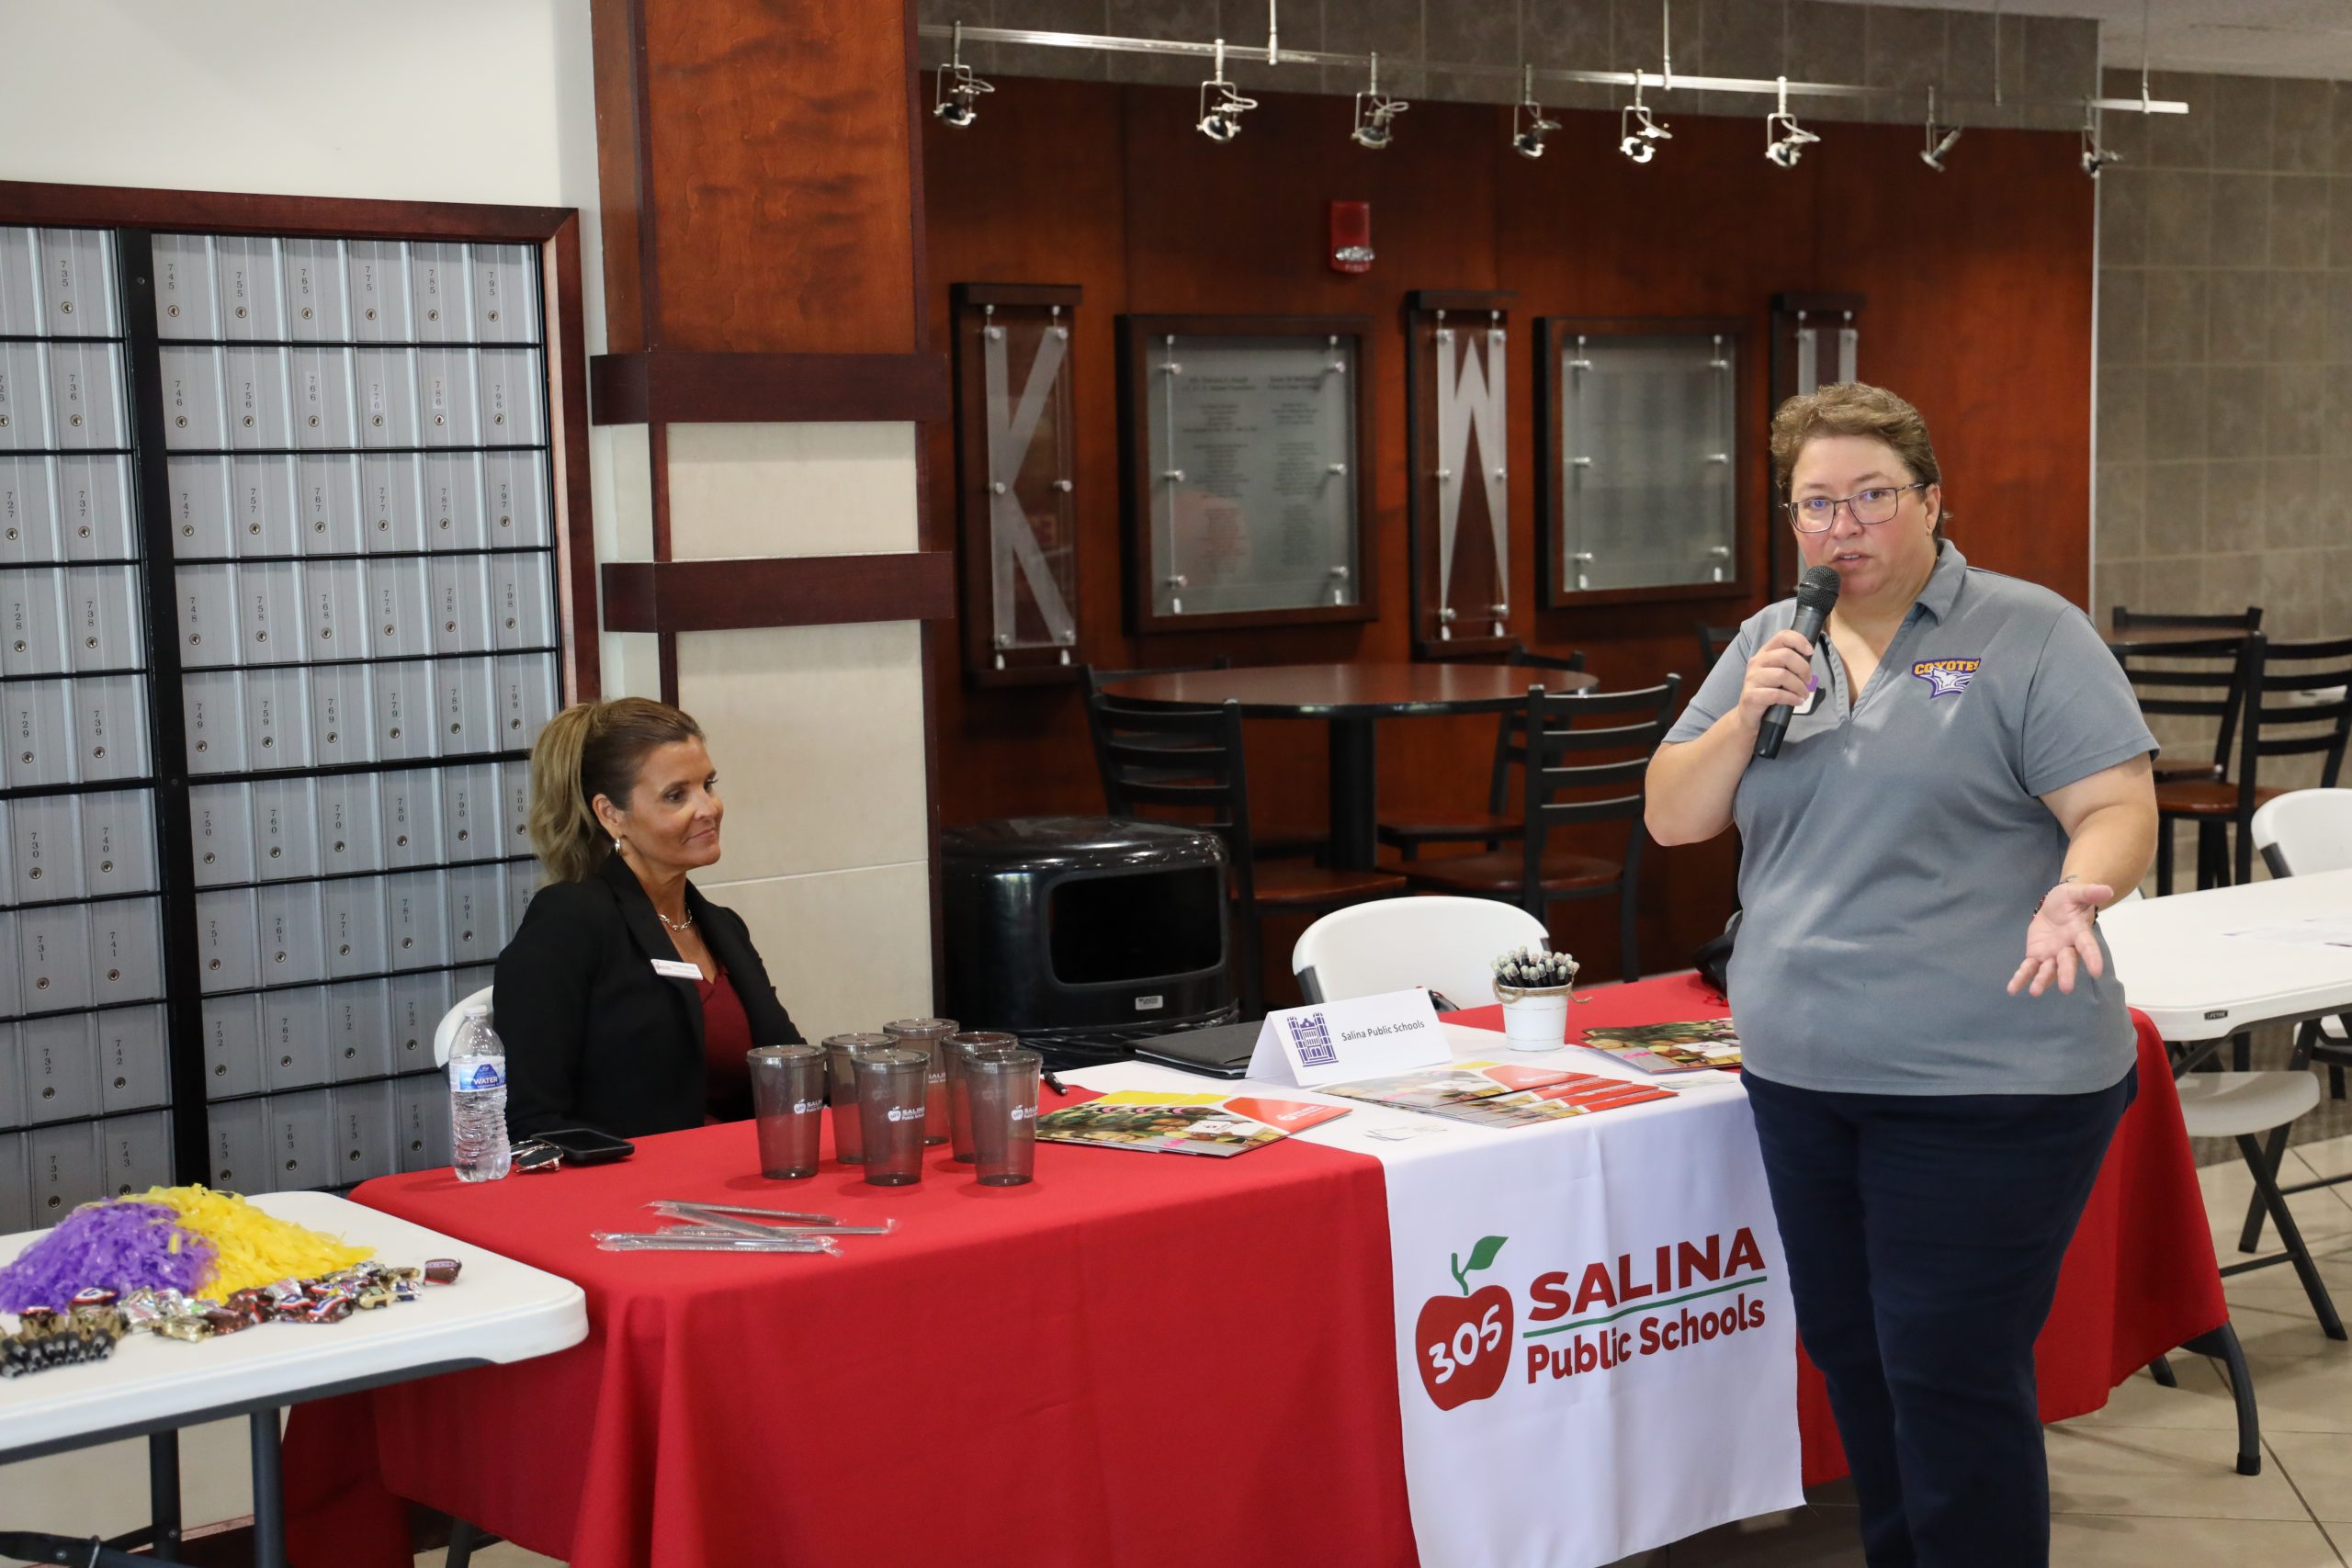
1364, 1037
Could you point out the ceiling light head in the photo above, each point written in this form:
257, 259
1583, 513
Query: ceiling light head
1784, 139
1529, 124
956, 93
2095, 157
1639, 134
1939, 139
1221, 106
1375, 113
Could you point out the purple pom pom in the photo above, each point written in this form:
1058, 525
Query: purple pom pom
123, 1246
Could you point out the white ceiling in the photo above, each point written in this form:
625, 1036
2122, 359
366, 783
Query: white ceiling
2253, 38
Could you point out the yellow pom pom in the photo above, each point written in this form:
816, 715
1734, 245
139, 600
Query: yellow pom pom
251, 1247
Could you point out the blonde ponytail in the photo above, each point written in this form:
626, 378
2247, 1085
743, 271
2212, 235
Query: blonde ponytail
588, 750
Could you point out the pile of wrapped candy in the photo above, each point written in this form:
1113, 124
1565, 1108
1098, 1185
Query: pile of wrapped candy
185, 1263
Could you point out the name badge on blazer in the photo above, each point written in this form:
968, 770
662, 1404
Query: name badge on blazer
676, 969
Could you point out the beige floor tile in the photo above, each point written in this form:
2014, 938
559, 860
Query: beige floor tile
2320, 1466
2201, 1402
2332, 1157
2275, 1319
1796, 1538
2304, 1393
2103, 1541
504, 1556
2161, 1473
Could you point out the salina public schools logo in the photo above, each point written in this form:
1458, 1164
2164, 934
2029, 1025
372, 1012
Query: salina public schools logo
1311, 1037
1463, 1343
1946, 677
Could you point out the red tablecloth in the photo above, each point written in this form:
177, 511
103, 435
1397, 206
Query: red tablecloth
2140, 1276
1139, 1358
1167, 1358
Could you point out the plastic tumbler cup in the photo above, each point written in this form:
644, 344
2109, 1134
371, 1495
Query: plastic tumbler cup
960, 1048
893, 1087
788, 1097
928, 1035
840, 1049
1003, 1086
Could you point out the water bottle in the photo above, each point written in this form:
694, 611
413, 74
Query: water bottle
478, 1100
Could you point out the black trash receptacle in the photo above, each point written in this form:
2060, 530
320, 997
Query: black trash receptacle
1084, 934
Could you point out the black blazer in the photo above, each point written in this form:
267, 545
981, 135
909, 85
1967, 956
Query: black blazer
595, 1038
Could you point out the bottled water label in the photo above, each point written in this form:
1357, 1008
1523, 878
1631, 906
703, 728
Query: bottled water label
466, 1075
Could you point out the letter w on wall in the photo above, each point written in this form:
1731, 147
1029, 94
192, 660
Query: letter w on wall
1014, 556
1470, 404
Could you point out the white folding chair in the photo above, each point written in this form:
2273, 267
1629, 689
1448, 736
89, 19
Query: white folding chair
445, 1034
2242, 1106
2300, 833
1447, 944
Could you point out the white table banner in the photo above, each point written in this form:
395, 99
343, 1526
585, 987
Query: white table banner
1602, 1305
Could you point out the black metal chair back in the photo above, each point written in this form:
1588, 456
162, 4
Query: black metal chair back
1133, 747
2219, 674
1713, 643
1510, 735
2303, 708
1587, 757
2124, 620
1093, 681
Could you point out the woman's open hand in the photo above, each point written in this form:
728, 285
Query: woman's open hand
2061, 938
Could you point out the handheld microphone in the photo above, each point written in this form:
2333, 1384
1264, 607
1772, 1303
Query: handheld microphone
1816, 595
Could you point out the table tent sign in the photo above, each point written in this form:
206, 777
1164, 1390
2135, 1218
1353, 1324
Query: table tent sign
1521, 1337
1364, 1037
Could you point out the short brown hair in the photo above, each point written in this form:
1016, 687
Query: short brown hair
588, 750
1855, 407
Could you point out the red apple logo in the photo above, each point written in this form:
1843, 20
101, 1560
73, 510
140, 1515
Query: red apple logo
1463, 1343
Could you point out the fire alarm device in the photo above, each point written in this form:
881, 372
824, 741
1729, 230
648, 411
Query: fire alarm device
1351, 236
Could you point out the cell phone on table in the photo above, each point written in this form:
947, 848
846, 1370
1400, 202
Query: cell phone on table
585, 1146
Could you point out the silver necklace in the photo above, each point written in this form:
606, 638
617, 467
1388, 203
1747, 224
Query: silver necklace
671, 925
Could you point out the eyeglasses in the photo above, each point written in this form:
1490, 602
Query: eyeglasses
1815, 514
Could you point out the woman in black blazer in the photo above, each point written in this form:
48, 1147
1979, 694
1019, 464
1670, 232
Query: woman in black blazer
628, 999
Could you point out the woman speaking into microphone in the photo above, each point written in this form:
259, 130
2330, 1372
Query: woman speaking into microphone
1935, 1050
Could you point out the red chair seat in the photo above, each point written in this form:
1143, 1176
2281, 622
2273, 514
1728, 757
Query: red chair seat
2206, 797
1502, 870
1467, 829
1289, 882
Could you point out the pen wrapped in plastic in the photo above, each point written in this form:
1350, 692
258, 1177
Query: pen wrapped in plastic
702, 1240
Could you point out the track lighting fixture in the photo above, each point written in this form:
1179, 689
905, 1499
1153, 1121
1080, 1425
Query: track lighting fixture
1374, 113
1528, 125
1940, 138
1784, 140
1639, 134
1221, 106
956, 93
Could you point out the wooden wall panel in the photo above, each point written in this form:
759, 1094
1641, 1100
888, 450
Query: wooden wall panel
1979, 284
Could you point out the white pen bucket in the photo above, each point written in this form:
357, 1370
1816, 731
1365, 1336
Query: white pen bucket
1535, 1019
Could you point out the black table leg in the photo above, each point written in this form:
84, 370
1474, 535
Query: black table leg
269, 1493
163, 1491
1355, 793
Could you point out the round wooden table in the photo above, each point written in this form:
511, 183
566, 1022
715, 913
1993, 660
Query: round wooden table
1352, 698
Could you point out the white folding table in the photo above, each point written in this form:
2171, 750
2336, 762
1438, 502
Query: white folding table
499, 1311
2198, 985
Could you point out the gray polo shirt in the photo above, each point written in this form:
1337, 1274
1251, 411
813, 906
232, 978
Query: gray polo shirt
1893, 852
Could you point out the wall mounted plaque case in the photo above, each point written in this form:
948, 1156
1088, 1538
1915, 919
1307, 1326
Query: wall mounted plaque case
1016, 466
1816, 342
1457, 425
1640, 428
1246, 444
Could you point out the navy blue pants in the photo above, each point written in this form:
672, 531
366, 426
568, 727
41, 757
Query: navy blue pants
1924, 1235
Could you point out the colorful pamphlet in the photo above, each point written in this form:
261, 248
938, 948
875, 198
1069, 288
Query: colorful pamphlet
1662, 1050
1219, 1126
1494, 1094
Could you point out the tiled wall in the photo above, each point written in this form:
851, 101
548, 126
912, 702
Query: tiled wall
2225, 358
2225, 355
1898, 47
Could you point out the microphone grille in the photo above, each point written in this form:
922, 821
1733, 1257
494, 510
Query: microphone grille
1817, 589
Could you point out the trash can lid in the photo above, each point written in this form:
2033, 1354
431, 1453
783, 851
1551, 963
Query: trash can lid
1044, 843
